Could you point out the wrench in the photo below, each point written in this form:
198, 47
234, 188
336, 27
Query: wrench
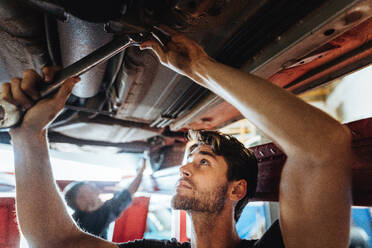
11, 115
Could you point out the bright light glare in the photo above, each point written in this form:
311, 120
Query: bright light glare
6, 159
66, 169
23, 243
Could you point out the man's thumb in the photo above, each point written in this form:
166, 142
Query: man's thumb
155, 46
66, 89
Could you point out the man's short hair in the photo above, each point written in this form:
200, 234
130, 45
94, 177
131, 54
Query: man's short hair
70, 192
241, 161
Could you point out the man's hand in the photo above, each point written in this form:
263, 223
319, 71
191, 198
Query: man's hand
24, 92
180, 54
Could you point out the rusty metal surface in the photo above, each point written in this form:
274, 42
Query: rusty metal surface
354, 49
21, 38
347, 63
322, 25
350, 52
349, 41
271, 160
78, 39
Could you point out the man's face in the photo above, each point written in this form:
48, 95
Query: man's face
87, 198
203, 184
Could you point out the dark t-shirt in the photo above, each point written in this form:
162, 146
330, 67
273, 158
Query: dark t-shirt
271, 239
97, 222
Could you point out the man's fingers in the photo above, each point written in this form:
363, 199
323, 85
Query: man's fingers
167, 30
29, 84
50, 72
64, 92
19, 97
183, 39
156, 47
6, 93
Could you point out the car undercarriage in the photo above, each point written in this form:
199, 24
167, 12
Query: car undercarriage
133, 103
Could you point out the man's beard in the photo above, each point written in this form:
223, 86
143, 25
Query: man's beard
208, 202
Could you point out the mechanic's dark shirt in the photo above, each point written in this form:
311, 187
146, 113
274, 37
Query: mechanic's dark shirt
97, 222
271, 239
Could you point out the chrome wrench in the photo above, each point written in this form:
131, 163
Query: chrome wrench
11, 115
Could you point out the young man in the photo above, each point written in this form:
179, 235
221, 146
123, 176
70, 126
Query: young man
315, 183
91, 214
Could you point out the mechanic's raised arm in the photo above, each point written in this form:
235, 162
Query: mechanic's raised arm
315, 184
134, 185
41, 212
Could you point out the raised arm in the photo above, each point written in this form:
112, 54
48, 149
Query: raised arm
123, 198
41, 212
134, 185
315, 183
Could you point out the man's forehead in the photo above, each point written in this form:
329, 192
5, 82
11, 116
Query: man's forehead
205, 150
201, 149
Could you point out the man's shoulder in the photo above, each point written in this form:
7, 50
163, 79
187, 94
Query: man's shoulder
151, 243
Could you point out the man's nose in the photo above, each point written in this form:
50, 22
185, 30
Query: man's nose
185, 170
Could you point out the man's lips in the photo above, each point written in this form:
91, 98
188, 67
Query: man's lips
183, 184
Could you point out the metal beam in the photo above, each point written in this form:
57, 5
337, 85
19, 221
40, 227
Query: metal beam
54, 137
351, 67
309, 34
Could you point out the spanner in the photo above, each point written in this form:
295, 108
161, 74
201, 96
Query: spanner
11, 115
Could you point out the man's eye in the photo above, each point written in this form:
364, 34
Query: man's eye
204, 162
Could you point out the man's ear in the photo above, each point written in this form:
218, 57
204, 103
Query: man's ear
238, 189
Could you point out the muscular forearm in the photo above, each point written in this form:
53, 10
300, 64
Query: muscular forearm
295, 125
41, 212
